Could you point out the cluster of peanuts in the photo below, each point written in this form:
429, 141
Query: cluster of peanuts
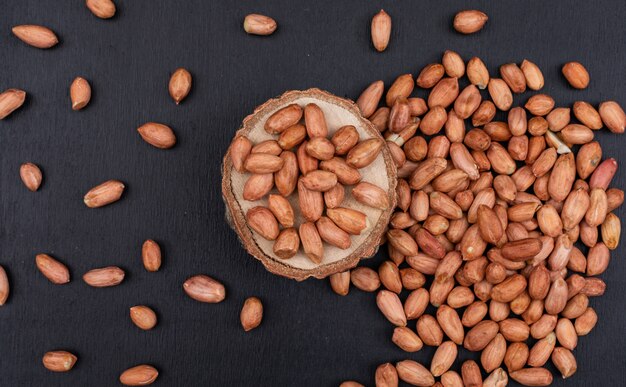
502, 228
322, 171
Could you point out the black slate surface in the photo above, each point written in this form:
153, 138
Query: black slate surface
309, 336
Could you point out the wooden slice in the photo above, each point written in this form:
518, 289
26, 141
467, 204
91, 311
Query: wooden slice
381, 172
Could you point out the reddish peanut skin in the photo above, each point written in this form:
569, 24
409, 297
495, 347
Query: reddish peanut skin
381, 30
31, 176
104, 277
106, 193
141, 375
470, 21
59, 361
613, 116
151, 255
251, 313
204, 289
602, 176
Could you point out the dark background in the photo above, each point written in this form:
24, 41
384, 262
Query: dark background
309, 335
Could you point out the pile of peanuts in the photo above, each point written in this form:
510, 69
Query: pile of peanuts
502, 228
322, 171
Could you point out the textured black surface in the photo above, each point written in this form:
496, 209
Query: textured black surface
309, 336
